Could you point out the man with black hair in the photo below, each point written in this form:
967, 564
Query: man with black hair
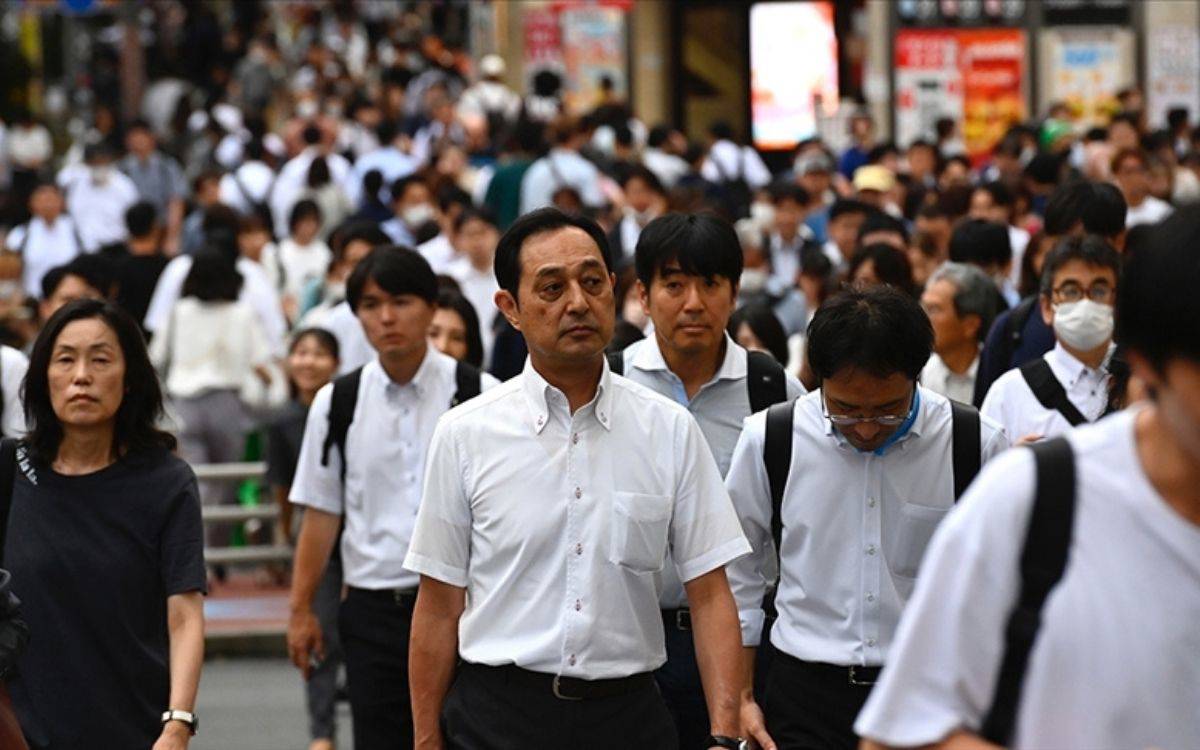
544, 615
645, 200
882, 227
69, 282
293, 177
661, 155
158, 177
562, 167
1068, 385
360, 467
688, 267
137, 273
788, 235
97, 197
738, 170
843, 489
985, 245
846, 217
994, 201
1131, 173
1058, 607
390, 160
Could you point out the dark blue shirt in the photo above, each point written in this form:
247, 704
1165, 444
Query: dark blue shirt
999, 355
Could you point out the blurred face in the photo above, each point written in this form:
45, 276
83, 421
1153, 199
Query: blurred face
748, 340
564, 303
955, 173
639, 196
861, 128
251, 244
844, 232
1133, 178
448, 333
353, 252
788, 215
208, 193
311, 365
87, 374
853, 393
71, 288
815, 184
690, 313
46, 202
395, 324
921, 162
1176, 389
1122, 135
140, 142
949, 329
938, 228
477, 239
305, 230
865, 275
984, 207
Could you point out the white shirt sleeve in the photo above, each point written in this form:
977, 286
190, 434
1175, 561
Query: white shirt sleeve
748, 487
16, 238
166, 293
941, 674
757, 174
441, 542
315, 485
14, 365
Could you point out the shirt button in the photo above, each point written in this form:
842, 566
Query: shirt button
571, 660
541, 420
871, 642
578, 493
579, 548
871, 502
578, 605
870, 597
575, 439
870, 549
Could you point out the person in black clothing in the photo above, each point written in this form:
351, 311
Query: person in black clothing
137, 272
105, 544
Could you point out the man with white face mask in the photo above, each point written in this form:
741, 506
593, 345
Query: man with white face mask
1068, 386
97, 198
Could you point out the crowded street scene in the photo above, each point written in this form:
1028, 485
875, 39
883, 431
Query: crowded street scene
593, 374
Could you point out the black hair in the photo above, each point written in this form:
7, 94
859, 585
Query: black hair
1099, 207
451, 300
305, 209
474, 214
639, 172
141, 407
843, 206
397, 270
892, 266
956, 158
625, 334
878, 221
981, 243
311, 134
324, 339
721, 130
659, 134
790, 192
403, 184
766, 327
1092, 249
1000, 193
508, 250
139, 123
93, 269
213, 277
877, 154
702, 244
141, 219
1044, 168
879, 330
450, 195
1129, 118
1158, 310
318, 174
372, 183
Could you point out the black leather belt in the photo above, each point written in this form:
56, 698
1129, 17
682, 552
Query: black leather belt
393, 596
858, 676
678, 619
564, 688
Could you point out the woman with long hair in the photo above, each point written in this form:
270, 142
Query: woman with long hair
454, 330
105, 545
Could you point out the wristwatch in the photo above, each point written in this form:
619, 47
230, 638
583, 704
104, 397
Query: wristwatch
732, 743
184, 717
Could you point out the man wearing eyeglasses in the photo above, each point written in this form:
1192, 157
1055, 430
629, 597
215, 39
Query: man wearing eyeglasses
871, 474
1068, 386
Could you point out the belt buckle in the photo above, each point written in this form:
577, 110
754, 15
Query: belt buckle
683, 619
556, 687
855, 681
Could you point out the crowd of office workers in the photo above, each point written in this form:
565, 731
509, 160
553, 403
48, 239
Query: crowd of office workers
586, 434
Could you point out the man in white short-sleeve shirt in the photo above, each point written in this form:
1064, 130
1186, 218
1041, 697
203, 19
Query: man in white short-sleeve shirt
550, 505
369, 480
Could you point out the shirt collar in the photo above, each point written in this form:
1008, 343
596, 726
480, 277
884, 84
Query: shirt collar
1070, 370
421, 379
537, 389
919, 425
649, 357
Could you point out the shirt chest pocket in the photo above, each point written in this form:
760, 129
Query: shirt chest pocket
638, 531
914, 528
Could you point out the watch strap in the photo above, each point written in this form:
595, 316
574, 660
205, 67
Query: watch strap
720, 740
184, 717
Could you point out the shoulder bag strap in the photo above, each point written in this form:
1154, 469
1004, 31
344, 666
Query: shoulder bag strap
777, 456
966, 445
1048, 391
766, 382
1044, 557
341, 414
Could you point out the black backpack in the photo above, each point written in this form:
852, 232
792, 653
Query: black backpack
468, 385
735, 190
766, 382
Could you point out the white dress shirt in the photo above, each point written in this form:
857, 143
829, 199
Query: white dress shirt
569, 170
438, 252
385, 450
302, 264
558, 524
255, 179
13, 366
389, 161
720, 408
1114, 663
729, 161
1010, 402
99, 210
1151, 211
667, 167
43, 246
854, 528
257, 291
939, 378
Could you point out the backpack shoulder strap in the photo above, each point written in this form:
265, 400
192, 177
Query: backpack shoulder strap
1044, 558
341, 414
966, 447
8, 475
777, 456
766, 381
616, 361
468, 383
1048, 391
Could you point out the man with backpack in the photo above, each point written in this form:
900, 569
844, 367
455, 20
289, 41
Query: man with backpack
1068, 385
688, 267
841, 491
1058, 607
360, 472
738, 170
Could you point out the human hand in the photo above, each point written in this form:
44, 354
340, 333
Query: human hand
305, 641
175, 736
754, 726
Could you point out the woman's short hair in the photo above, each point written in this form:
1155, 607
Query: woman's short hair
450, 300
213, 277
141, 407
766, 328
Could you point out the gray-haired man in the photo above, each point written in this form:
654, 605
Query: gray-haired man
961, 302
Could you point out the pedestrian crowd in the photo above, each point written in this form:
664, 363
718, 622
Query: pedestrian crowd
588, 434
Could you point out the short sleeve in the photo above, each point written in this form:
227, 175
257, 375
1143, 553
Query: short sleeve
751, 496
315, 485
181, 545
705, 532
441, 541
16, 238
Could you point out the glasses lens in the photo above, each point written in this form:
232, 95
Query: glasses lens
1100, 293
1070, 293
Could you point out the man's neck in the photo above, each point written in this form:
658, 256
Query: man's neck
694, 369
85, 450
143, 246
1092, 359
402, 368
788, 237
577, 380
959, 359
49, 221
1171, 469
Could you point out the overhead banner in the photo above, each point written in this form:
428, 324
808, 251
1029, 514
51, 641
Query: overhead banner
972, 76
584, 42
1172, 72
1084, 68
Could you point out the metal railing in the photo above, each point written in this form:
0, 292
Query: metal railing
267, 514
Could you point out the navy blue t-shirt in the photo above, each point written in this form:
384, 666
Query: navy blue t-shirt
93, 560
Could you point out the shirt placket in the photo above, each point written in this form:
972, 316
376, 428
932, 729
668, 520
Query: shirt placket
576, 584
872, 552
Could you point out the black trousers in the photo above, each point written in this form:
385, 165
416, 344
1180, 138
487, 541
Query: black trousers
811, 706
487, 710
679, 681
374, 626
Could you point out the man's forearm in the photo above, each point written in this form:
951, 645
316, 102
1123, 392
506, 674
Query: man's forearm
719, 653
958, 741
318, 532
432, 653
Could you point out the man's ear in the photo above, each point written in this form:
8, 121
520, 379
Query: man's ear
507, 305
1047, 310
643, 296
971, 324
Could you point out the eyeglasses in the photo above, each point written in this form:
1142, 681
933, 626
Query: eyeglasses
884, 420
1072, 292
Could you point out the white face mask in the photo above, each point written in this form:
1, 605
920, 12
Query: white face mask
415, 216
1083, 325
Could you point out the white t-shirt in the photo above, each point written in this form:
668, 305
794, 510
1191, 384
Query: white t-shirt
99, 210
302, 264
1114, 664
1151, 211
43, 247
